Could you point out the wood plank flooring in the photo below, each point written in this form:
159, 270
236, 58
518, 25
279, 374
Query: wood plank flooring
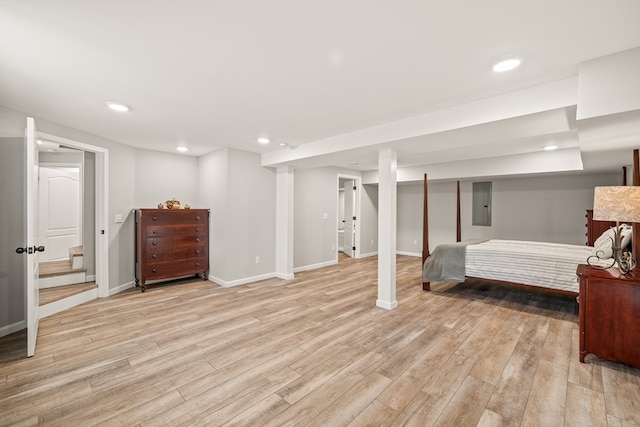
316, 351
49, 295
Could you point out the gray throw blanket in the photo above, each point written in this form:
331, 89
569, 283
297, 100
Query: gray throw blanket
446, 262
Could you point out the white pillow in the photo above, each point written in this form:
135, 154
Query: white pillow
604, 243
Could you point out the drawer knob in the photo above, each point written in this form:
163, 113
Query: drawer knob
154, 218
154, 243
197, 264
154, 256
154, 270
197, 229
198, 217
155, 231
197, 251
197, 240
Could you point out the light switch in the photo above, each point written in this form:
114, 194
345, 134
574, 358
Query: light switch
118, 218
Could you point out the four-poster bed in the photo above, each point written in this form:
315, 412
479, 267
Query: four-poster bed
530, 264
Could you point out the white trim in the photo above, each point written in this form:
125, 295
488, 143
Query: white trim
14, 327
67, 303
369, 254
63, 280
358, 182
121, 288
416, 254
239, 282
101, 208
90, 278
285, 276
314, 266
387, 305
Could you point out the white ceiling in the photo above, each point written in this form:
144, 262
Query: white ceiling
211, 74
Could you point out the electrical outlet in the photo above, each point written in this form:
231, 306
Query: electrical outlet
257, 260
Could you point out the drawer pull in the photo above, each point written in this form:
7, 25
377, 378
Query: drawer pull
197, 229
154, 256
154, 243
154, 270
197, 251
155, 231
154, 218
197, 240
197, 264
198, 217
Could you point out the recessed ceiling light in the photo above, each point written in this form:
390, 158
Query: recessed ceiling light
263, 140
283, 144
39, 142
116, 106
506, 65
550, 147
182, 149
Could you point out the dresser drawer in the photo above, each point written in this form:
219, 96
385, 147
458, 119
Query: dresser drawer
170, 217
162, 270
161, 250
175, 230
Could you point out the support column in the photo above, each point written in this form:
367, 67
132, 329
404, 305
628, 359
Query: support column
284, 222
387, 201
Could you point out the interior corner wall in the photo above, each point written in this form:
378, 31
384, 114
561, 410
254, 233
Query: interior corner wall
12, 222
212, 194
164, 176
89, 213
541, 208
369, 223
241, 194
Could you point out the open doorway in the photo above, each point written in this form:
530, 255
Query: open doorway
348, 224
73, 223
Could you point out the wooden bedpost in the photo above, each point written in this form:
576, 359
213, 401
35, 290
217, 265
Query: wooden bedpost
426, 286
635, 227
458, 225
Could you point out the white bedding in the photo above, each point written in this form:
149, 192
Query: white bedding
547, 265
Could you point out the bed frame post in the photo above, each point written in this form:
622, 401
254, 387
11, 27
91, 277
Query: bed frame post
635, 227
426, 286
458, 225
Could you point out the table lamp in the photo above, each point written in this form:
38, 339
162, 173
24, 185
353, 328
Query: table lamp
619, 204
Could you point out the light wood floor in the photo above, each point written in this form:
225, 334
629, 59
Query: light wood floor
315, 351
49, 295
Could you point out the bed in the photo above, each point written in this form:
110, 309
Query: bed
551, 266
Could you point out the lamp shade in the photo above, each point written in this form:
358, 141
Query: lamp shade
621, 203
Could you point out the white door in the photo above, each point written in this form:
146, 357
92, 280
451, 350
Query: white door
31, 235
59, 211
350, 218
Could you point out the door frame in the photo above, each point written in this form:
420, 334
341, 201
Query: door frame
358, 183
101, 207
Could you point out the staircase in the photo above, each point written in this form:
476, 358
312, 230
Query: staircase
64, 272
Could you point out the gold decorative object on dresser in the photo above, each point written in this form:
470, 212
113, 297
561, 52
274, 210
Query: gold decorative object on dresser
171, 243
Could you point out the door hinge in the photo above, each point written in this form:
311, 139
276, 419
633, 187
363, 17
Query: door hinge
354, 248
354, 188
354, 218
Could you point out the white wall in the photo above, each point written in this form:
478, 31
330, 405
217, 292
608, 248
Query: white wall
544, 208
12, 265
163, 176
369, 223
241, 195
121, 188
314, 236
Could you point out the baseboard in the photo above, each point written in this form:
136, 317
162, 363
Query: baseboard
314, 266
90, 278
14, 327
285, 276
368, 254
416, 254
388, 305
232, 283
66, 303
118, 289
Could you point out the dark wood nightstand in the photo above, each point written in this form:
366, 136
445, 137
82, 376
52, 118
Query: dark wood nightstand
610, 314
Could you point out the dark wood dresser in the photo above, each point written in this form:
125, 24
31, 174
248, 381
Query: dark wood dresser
171, 243
610, 314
